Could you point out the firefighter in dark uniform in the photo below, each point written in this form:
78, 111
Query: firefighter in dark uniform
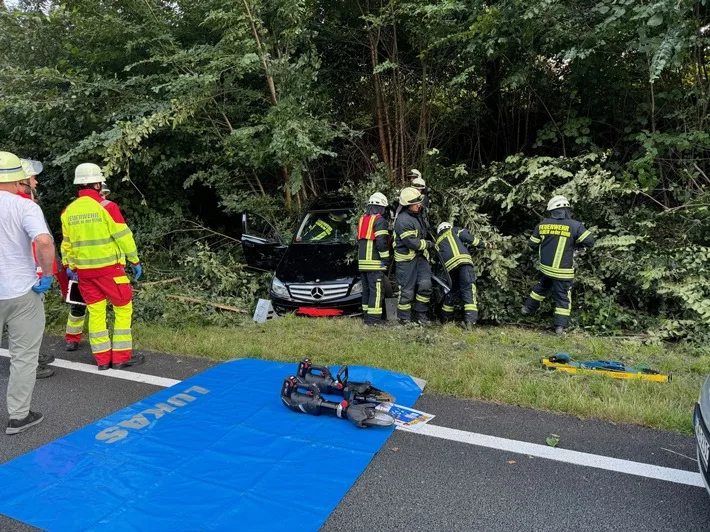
418, 182
451, 242
373, 254
556, 238
412, 258
332, 226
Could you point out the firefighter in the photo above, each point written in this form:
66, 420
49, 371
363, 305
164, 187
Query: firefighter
77, 312
417, 181
333, 226
373, 253
97, 242
556, 238
412, 257
451, 244
28, 190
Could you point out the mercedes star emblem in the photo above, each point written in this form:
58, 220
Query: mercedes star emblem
317, 292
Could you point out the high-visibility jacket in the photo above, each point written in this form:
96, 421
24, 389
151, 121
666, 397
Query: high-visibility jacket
556, 239
373, 243
409, 237
55, 266
451, 245
95, 236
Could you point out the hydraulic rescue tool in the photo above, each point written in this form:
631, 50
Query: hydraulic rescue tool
608, 368
301, 396
351, 391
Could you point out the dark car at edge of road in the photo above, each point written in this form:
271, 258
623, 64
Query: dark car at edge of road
316, 275
701, 421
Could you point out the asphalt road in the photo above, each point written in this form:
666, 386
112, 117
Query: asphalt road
418, 482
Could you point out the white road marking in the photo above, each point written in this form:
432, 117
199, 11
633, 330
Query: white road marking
628, 467
565, 455
115, 373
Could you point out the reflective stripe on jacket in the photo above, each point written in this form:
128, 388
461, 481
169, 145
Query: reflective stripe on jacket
451, 245
409, 237
373, 243
556, 240
95, 236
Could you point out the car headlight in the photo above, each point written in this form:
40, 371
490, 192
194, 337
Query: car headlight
278, 288
357, 288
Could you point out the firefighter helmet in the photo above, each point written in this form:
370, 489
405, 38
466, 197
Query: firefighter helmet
31, 167
443, 226
88, 173
10, 168
105, 191
414, 173
557, 202
410, 196
418, 182
378, 199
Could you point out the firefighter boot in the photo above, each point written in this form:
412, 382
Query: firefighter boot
71, 346
559, 330
422, 319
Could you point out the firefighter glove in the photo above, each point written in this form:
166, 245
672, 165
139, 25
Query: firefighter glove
72, 274
429, 244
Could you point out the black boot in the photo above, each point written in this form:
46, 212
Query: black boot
135, 360
72, 346
44, 359
525, 311
44, 372
422, 319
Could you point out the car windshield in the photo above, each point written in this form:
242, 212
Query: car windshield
326, 226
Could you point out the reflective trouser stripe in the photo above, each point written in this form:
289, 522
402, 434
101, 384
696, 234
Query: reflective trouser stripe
537, 297
404, 307
75, 324
447, 308
562, 311
98, 335
122, 337
422, 298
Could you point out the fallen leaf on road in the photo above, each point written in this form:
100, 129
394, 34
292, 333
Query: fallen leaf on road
552, 441
512, 461
395, 449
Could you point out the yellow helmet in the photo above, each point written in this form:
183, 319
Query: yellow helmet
410, 196
10, 168
88, 173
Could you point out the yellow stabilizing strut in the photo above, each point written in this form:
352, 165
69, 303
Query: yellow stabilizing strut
614, 370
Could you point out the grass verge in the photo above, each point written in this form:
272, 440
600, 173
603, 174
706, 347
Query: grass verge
497, 364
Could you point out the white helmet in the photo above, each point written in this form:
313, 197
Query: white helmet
410, 196
31, 167
10, 168
557, 202
418, 182
378, 199
443, 226
88, 173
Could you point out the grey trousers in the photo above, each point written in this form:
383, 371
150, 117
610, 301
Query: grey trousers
24, 317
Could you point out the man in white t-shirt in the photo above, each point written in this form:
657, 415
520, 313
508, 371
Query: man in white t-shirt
21, 292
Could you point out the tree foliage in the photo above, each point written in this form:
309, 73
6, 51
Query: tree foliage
201, 109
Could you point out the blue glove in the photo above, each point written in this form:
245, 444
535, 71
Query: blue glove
72, 274
44, 284
137, 270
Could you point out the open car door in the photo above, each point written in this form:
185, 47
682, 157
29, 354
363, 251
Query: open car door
262, 244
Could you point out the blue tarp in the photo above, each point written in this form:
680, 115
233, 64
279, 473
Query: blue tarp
216, 452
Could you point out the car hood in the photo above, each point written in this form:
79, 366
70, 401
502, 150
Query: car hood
307, 263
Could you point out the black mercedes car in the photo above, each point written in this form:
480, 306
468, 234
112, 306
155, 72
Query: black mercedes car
316, 273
